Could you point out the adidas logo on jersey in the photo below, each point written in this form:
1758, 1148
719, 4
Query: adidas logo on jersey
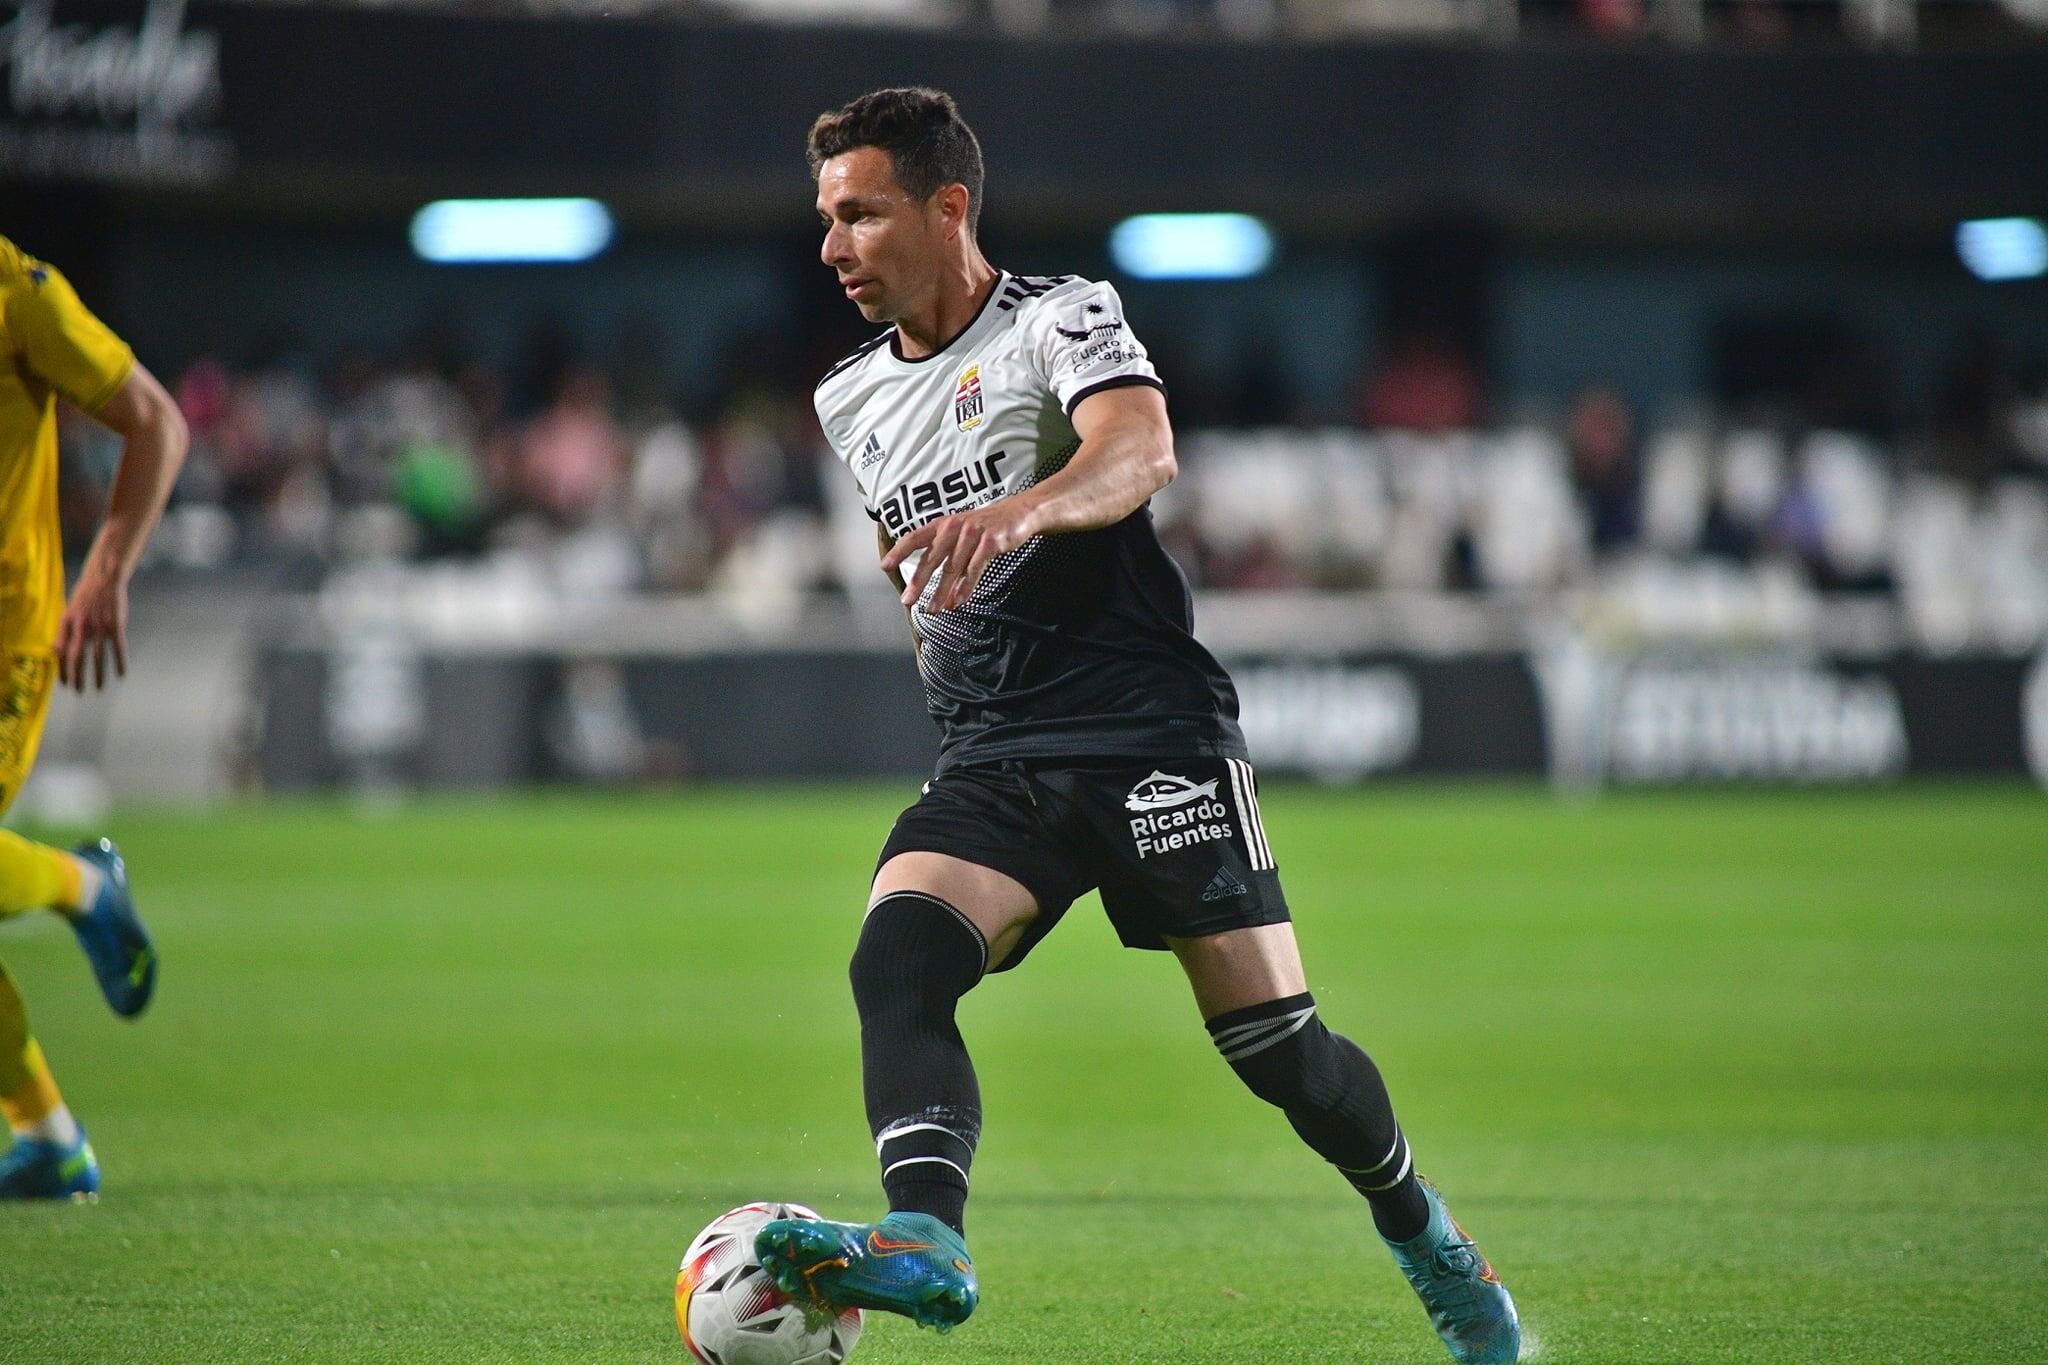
872, 452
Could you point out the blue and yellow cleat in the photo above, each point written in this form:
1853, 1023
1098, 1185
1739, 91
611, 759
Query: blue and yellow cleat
1467, 1303
909, 1263
35, 1169
112, 935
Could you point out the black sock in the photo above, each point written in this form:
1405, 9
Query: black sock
1333, 1095
917, 956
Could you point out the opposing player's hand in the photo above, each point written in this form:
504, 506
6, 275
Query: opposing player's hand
962, 545
95, 625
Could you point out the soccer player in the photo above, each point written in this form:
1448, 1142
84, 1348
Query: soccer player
53, 347
1005, 434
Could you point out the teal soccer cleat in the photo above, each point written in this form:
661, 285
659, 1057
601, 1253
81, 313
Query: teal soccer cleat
34, 1169
909, 1263
1467, 1303
113, 937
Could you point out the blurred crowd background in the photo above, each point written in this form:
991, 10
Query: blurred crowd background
593, 474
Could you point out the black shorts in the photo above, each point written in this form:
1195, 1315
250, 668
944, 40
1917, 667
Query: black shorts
1175, 845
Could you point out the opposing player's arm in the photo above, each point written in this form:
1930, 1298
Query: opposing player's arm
1125, 456
154, 441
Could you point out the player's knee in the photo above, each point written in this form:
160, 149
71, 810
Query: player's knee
915, 951
1283, 1053
1280, 1074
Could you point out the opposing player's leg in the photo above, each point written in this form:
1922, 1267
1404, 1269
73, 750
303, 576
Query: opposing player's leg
935, 925
111, 933
49, 1158
35, 876
87, 886
1254, 997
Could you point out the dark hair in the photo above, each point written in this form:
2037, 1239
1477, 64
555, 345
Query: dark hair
928, 142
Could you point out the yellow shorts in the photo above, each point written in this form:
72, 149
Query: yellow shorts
26, 681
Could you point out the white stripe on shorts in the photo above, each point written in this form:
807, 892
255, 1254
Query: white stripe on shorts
1243, 787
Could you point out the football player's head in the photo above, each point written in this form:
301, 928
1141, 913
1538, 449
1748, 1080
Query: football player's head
899, 190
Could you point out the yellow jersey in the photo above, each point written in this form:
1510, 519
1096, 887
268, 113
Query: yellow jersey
50, 347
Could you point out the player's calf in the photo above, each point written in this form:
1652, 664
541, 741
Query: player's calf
917, 956
1333, 1095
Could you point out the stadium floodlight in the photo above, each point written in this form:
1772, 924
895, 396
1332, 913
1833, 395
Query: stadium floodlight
2004, 248
1191, 246
507, 231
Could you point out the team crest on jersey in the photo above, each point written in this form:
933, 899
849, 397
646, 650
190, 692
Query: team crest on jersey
967, 399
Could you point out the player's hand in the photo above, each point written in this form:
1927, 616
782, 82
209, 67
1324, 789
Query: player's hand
962, 545
95, 625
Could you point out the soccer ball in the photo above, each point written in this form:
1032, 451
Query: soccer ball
732, 1313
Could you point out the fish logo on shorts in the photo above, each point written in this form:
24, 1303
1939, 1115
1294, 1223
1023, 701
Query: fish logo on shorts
1159, 791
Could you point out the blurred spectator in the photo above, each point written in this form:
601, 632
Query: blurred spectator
1612, 18
1973, 412
1422, 383
569, 462
2030, 420
1600, 438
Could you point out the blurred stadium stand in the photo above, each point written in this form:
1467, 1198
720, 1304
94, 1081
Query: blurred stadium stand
1617, 366
1901, 23
1695, 525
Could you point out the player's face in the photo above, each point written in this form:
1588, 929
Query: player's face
880, 241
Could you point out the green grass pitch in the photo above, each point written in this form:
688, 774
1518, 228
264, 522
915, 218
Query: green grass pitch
1721, 1077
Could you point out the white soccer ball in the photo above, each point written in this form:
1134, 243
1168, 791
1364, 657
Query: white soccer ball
732, 1313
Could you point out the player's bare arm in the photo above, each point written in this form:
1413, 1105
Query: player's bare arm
154, 440
1125, 456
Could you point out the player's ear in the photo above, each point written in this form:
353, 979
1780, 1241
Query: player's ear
952, 209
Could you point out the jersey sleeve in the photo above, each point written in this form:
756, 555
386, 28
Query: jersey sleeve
59, 339
837, 433
1083, 345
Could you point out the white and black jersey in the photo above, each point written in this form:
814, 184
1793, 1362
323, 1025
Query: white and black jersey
1074, 645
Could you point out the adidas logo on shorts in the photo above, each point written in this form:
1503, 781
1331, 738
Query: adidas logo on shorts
1223, 886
